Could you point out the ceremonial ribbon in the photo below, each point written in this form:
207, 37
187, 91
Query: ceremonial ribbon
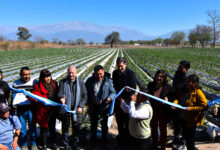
148, 95
215, 101
113, 101
43, 100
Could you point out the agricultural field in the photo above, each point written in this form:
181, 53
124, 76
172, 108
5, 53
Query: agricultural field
204, 62
145, 62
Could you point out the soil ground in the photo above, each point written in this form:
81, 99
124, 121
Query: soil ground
203, 141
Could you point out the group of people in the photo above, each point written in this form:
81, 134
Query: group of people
138, 117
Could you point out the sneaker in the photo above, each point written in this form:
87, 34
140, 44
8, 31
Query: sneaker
24, 148
55, 147
44, 147
181, 147
34, 147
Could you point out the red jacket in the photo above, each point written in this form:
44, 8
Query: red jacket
41, 111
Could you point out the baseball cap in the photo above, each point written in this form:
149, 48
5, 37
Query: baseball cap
4, 107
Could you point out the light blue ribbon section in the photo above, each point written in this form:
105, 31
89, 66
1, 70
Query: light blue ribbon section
159, 99
148, 95
113, 102
43, 100
215, 101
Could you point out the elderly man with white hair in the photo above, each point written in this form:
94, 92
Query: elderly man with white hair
72, 92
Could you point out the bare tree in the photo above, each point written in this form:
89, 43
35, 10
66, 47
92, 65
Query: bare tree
215, 22
2, 38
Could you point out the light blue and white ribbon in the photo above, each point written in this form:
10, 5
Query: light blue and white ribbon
146, 94
43, 100
113, 101
215, 101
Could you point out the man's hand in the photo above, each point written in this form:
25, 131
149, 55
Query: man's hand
133, 97
120, 99
63, 99
14, 145
3, 147
108, 100
79, 110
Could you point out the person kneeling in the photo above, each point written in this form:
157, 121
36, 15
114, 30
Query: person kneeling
7, 124
140, 112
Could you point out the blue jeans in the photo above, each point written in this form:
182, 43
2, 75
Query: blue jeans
25, 114
9, 146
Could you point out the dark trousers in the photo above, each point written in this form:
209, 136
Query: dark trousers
43, 134
189, 134
141, 144
96, 114
75, 128
159, 120
178, 128
52, 122
122, 120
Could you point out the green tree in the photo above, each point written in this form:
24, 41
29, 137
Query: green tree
192, 38
159, 40
167, 42
80, 41
178, 37
131, 42
113, 38
23, 34
203, 34
215, 22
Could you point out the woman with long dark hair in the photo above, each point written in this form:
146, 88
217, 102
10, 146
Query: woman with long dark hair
159, 88
4, 90
192, 97
45, 115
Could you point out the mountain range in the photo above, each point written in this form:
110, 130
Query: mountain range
76, 29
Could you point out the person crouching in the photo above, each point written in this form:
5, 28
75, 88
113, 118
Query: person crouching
7, 125
140, 112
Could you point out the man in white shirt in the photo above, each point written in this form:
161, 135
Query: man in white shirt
140, 112
25, 108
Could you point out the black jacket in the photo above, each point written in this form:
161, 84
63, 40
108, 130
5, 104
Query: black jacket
127, 78
158, 107
4, 92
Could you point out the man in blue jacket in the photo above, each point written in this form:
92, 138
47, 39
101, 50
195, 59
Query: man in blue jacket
100, 94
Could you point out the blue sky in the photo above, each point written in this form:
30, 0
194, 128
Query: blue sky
152, 17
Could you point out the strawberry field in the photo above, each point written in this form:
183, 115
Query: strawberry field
145, 62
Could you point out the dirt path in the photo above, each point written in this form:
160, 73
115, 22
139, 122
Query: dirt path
203, 141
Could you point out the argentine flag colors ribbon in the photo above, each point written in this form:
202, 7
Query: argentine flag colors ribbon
43, 100
148, 95
215, 101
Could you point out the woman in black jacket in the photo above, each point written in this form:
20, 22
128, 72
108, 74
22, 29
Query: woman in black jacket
4, 90
159, 88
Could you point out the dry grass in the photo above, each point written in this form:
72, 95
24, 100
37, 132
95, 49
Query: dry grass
18, 45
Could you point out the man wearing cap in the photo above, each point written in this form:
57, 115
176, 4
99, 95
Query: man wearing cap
7, 124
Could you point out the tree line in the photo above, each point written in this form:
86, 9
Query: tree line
202, 34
